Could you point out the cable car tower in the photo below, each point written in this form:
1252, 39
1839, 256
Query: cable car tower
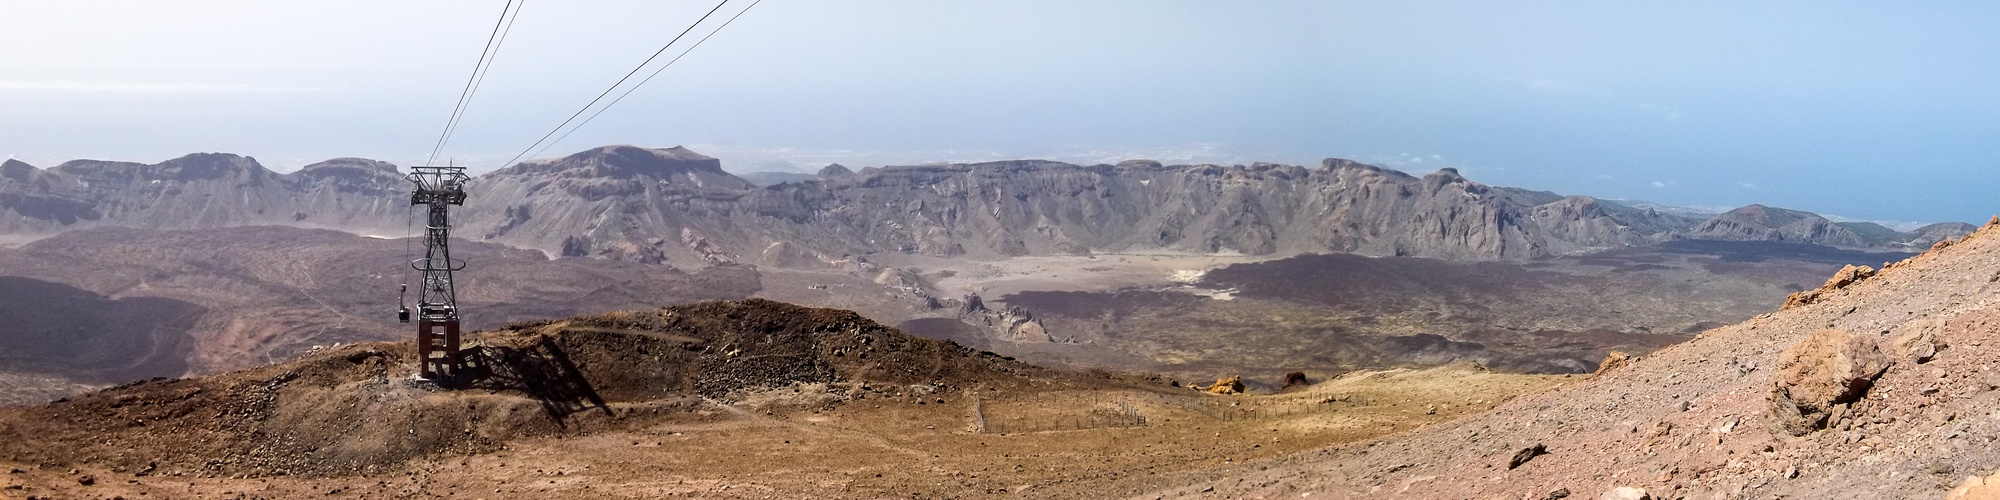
437, 301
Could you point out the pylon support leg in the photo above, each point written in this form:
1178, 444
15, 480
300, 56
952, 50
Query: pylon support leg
438, 348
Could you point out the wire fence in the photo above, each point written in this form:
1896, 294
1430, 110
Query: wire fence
1231, 411
1125, 416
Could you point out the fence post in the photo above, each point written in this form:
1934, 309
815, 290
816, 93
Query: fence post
979, 412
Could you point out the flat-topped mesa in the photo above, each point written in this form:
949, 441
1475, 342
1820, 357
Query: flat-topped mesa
353, 175
1139, 164
353, 164
1343, 164
674, 165
195, 167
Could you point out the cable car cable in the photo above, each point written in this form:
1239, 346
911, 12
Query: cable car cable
614, 86
451, 128
486, 56
642, 83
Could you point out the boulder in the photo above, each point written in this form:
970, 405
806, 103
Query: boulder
1919, 342
1612, 361
1233, 385
1827, 371
1976, 488
1625, 493
1296, 379
1525, 455
1841, 279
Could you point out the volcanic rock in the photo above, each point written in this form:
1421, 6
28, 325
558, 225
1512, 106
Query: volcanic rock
1976, 488
1829, 369
1526, 454
1846, 276
1919, 342
1230, 385
1625, 493
1295, 379
1012, 324
1612, 361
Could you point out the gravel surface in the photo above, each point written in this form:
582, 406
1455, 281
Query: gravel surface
1694, 420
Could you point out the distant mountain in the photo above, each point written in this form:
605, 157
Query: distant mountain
762, 179
200, 190
1762, 223
1872, 233
1933, 233
676, 206
1039, 207
1695, 212
835, 170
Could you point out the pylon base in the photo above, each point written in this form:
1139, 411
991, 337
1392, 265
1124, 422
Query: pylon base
437, 348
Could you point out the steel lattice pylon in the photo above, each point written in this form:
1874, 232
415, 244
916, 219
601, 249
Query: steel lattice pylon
437, 188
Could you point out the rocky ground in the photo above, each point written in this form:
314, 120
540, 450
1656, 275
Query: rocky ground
1202, 316
1881, 387
731, 400
760, 400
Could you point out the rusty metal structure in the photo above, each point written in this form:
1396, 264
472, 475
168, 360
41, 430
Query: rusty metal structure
437, 189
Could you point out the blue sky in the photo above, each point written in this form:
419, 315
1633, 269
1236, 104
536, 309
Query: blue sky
1860, 110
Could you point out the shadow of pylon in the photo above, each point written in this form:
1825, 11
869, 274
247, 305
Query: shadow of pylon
542, 371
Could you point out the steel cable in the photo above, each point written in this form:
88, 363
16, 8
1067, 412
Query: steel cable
642, 83
487, 54
614, 86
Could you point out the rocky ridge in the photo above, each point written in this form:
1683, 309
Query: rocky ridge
200, 191
676, 206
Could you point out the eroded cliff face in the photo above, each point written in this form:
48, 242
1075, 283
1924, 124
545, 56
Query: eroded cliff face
675, 206
200, 191
619, 202
39, 201
1034, 207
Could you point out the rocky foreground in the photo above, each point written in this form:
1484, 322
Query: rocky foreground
1878, 385
739, 399
360, 409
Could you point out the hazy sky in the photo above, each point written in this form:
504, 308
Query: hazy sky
1862, 110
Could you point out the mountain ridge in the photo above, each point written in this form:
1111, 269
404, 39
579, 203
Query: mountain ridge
676, 206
